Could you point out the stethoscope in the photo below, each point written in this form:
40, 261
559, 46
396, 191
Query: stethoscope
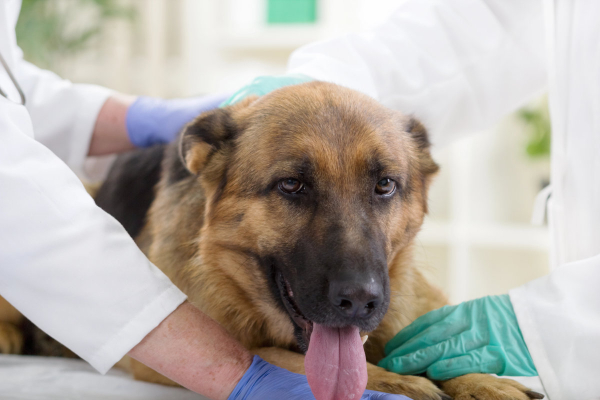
14, 81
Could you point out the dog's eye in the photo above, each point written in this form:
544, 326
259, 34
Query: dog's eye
290, 185
385, 187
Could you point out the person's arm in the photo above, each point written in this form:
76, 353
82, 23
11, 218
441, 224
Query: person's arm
457, 65
125, 122
63, 114
66, 264
196, 352
80, 120
549, 326
110, 130
559, 316
193, 350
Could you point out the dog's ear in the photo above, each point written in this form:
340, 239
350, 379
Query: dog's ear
427, 166
204, 136
419, 134
208, 133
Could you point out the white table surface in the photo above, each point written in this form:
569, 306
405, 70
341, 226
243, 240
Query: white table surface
49, 378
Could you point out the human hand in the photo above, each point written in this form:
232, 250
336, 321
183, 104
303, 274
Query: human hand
152, 120
265, 84
478, 336
264, 381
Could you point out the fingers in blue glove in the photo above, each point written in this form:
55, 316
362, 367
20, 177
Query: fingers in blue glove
151, 120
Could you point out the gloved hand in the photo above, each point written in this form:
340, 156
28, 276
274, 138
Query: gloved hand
265, 84
151, 120
264, 381
478, 336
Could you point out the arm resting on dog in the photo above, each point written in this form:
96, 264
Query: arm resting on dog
195, 351
75, 272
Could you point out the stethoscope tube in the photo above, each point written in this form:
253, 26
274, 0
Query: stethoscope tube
13, 79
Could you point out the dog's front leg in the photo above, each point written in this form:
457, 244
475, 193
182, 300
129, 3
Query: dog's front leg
487, 387
11, 339
292, 361
415, 387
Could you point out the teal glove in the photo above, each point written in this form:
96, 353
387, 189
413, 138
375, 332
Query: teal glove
478, 336
265, 84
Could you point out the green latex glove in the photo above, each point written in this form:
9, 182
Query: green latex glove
478, 336
265, 84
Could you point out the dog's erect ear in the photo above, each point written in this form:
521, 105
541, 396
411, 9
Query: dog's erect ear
420, 136
209, 132
427, 166
204, 136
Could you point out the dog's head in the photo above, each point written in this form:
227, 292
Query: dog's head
319, 187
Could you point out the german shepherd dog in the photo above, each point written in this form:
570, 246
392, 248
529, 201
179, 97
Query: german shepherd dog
289, 219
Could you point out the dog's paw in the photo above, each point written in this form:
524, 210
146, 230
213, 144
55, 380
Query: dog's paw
487, 387
415, 387
11, 339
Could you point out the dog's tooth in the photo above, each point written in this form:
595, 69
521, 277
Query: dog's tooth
364, 339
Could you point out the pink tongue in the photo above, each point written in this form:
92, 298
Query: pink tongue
335, 363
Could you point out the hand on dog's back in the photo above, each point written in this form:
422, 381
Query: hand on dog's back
264, 381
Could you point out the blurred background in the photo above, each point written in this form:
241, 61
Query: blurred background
477, 239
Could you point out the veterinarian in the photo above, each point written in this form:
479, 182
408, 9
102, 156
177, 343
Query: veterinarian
459, 66
72, 269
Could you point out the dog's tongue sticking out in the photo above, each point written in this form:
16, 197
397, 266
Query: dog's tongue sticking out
335, 363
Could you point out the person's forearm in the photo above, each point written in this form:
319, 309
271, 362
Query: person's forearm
195, 351
412, 63
110, 132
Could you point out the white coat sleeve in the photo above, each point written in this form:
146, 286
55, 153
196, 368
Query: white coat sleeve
66, 264
559, 316
457, 65
63, 113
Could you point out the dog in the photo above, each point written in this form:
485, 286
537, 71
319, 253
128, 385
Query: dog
289, 219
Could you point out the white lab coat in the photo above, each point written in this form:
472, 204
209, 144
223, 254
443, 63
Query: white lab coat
460, 65
64, 263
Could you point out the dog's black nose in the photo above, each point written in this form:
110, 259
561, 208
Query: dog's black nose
354, 299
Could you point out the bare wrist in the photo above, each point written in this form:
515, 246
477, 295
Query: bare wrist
193, 350
110, 132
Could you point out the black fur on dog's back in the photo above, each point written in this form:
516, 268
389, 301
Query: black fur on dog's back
128, 190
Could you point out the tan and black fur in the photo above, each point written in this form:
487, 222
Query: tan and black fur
220, 226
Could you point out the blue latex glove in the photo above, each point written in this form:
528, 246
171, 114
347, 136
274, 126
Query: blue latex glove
264, 381
151, 120
265, 84
478, 336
